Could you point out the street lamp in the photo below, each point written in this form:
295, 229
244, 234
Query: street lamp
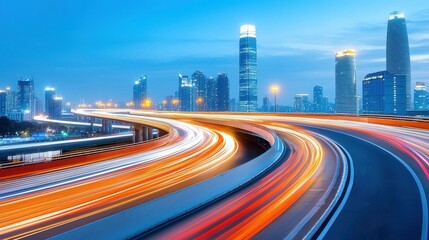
175, 102
275, 89
164, 103
200, 103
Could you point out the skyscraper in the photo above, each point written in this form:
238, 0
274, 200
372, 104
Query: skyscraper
248, 85
301, 103
222, 92
140, 91
200, 82
26, 96
317, 98
384, 93
187, 94
210, 100
57, 107
12, 100
3, 103
345, 82
49, 101
398, 51
421, 97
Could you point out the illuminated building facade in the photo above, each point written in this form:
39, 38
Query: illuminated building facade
140, 91
398, 52
384, 93
187, 94
49, 101
3, 103
317, 98
210, 101
301, 103
345, 82
248, 74
26, 97
222, 92
421, 97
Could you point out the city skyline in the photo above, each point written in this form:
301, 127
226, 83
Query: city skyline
78, 65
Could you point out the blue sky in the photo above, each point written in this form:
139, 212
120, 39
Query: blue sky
94, 50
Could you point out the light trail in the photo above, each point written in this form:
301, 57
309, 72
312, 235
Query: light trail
34, 204
244, 215
37, 203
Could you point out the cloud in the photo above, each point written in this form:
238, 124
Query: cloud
420, 58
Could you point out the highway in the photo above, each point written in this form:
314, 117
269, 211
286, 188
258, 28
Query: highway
36, 203
342, 179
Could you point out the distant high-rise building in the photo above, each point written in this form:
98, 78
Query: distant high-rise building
301, 103
421, 97
325, 105
383, 93
234, 106
26, 96
49, 101
57, 107
200, 82
398, 51
12, 100
266, 104
140, 91
222, 92
317, 98
187, 94
345, 82
210, 100
3, 103
248, 95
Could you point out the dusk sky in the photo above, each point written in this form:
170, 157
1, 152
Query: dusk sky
94, 50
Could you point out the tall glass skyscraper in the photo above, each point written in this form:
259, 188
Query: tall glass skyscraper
187, 94
49, 101
222, 92
421, 97
3, 103
317, 98
398, 51
345, 82
248, 95
140, 91
26, 96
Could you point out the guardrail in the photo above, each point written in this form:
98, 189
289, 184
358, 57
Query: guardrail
91, 151
149, 215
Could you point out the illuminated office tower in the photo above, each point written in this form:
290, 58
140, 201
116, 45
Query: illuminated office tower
384, 93
57, 107
210, 101
317, 98
12, 100
398, 52
248, 85
140, 91
187, 94
200, 81
421, 97
301, 103
222, 92
3, 103
26, 97
345, 82
49, 101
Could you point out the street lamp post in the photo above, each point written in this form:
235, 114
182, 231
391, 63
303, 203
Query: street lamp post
200, 103
275, 89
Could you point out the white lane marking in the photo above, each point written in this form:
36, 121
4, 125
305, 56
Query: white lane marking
410, 170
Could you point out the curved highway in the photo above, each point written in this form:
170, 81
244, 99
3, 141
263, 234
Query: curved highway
342, 179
